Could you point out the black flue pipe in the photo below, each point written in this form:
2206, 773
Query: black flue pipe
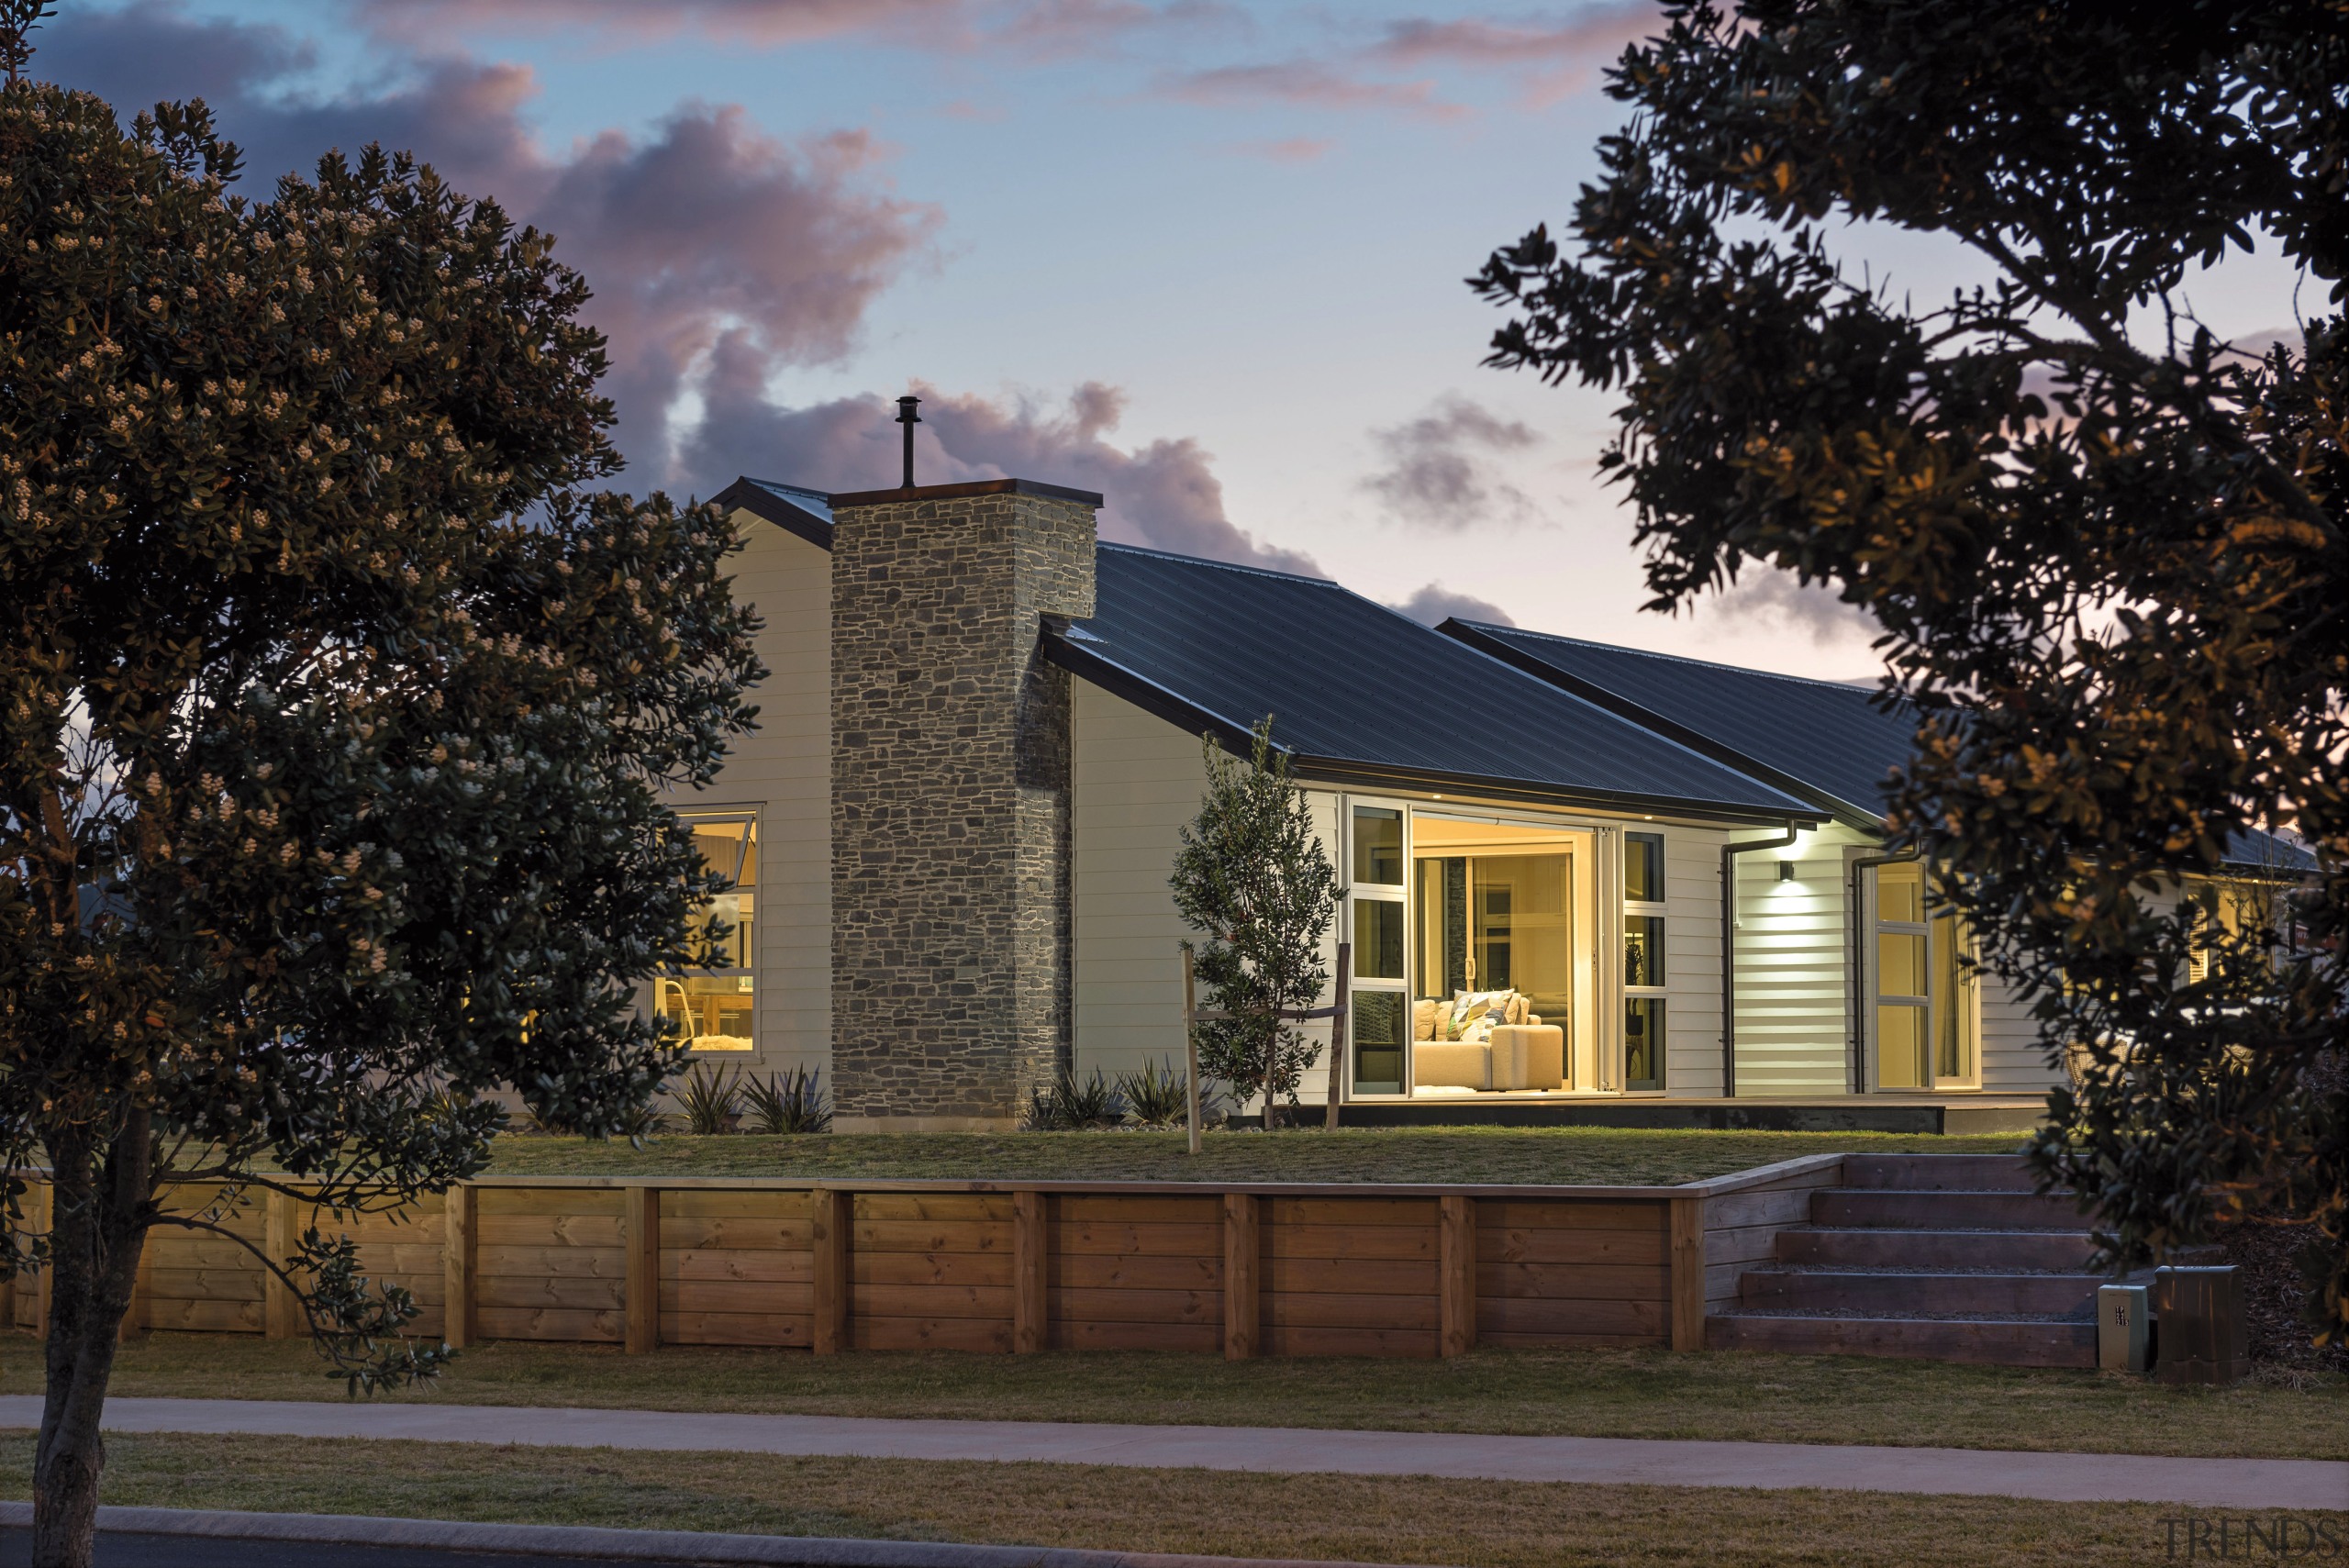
909, 418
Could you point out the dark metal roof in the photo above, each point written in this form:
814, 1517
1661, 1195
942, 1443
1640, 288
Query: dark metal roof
1362, 693
2248, 849
1828, 743
792, 507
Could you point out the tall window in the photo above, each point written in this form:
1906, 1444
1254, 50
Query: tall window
1644, 915
716, 1009
1924, 1007
1379, 1001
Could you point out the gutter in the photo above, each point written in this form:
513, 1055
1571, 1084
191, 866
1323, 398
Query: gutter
1729, 951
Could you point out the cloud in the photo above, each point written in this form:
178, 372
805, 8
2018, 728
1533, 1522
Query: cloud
1778, 599
1435, 603
1555, 58
1438, 476
1164, 495
705, 226
1292, 150
1034, 29
1307, 84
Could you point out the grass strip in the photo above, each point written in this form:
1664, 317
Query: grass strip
1576, 1156
1403, 1519
1628, 1394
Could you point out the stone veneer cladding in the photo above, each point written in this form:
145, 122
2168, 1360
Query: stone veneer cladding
952, 973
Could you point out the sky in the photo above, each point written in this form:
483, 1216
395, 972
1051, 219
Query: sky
1203, 256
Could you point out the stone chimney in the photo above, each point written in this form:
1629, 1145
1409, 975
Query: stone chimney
951, 897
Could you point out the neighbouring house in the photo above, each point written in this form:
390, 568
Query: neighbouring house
949, 841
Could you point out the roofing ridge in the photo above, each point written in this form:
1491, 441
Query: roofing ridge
1223, 565
1498, 631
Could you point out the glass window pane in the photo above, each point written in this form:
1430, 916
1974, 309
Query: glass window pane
1524, 930
1644, 1042
1443, 925
1643, 867
1952, 1018
1378, 938
1900, 964
1900, 892
715, 1008
1377, 1022
1378, 846
711, 1012
1899, 1046
1643, 950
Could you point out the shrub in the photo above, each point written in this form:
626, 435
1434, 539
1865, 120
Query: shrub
793, 1104
1157, 1095
712, 1101
1070, 1107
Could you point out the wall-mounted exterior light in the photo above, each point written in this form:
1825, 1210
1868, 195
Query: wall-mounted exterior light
1785, 871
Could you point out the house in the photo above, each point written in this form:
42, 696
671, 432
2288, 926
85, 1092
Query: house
949, 840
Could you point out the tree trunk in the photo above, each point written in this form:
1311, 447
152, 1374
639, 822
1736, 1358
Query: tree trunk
96, 1234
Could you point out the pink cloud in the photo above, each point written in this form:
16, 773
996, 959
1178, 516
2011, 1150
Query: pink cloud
1558, 59
1307, 84
1293, 149
1163, 493
1034, 29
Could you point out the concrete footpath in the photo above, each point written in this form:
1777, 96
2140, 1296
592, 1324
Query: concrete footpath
2247, 1484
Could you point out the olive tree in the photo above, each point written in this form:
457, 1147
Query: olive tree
2105, 543
337, 710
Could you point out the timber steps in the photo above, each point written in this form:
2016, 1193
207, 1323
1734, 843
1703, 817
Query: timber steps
1941, 1257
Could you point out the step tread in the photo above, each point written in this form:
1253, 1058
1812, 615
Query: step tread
2006, 1341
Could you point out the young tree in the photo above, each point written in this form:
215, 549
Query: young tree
2106, 547
1252, 879
335, 714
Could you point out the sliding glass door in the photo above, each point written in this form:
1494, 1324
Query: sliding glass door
1921, 1019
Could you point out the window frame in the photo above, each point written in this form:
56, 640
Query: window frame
1397, 894
1628, 909
747, 819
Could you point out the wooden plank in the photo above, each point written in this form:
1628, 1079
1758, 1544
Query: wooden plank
772, 1268
930, 1268
560, 1202
1418, 1314
1120, 1208
1574, 1282
934, 1301
460, 1233
281, 1309
1519, 1245
1324, 1341
1688, 1271
956, 1208
1504, 1341
400, 1257
203, 1285
759, 1298
1200, 1338
828, 1242
987, 1336
1030, 1253
565, 1325
205, 1317
1242, 1277
1739, 1209
1395, 1242
1089, 1273
1503, 1316
781, 1331
1456, 1276
1350, 1276
1280, 1212
186, 1251
1572, 1214
740, 1233
1115, 1241
641, 1218
931, 1236
567, 1262
1747, 1244
769, 1205
550, 1230
553, 1291
1137, 1306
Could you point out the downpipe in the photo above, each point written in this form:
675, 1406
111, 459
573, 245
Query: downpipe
1729, 950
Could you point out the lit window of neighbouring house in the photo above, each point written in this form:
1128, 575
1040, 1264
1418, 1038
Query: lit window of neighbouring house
1643, 907
716, 1009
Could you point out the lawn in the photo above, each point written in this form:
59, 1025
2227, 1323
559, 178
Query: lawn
1643, 1394
1575, 1155
1359, 1518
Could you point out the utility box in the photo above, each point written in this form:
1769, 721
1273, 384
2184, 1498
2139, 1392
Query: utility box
2205, 1333
2123, 1324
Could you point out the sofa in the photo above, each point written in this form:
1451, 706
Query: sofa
1519, 1054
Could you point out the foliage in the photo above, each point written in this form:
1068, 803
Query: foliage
18, 19
2105, 545
1068, 1105
337, 711
1158, 1093
711, 1101
793, 1104
1253, 878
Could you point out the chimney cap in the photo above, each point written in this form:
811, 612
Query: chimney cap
968, 487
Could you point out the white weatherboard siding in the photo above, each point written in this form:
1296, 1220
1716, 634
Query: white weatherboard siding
1135, 780
1794, 950
1692, 961
783, 769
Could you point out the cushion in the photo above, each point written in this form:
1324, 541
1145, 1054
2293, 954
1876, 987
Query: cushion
1423, 1019
1529, 1056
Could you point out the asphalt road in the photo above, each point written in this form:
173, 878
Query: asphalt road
117, 1550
